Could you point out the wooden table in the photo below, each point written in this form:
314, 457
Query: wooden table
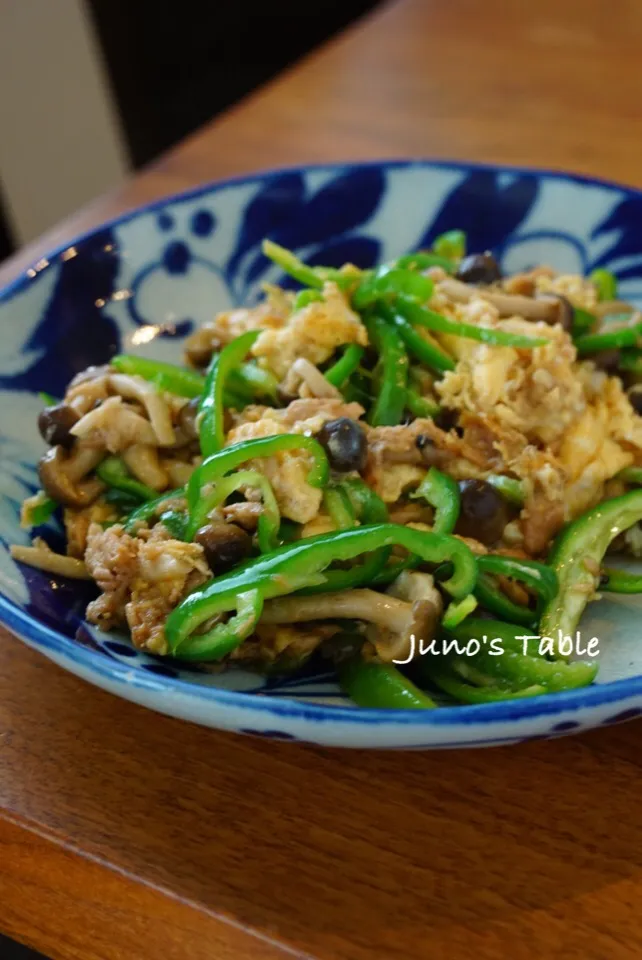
128, 835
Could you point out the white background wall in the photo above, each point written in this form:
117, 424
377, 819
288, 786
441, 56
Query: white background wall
60, 143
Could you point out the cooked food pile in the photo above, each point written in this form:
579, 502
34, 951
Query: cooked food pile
426, 451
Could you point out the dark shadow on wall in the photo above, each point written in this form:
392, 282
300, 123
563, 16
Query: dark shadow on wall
173, 71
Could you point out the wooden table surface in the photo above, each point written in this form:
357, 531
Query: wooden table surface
124, 834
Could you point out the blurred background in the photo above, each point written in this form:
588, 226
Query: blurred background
93, 89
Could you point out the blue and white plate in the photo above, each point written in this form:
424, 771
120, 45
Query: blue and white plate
143, 282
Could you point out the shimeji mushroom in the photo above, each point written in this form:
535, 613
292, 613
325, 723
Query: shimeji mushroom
549, 308
60, 475
402, 624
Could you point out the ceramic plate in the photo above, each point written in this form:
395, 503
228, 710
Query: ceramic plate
143, 282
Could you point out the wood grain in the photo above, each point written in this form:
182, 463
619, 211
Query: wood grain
128, 835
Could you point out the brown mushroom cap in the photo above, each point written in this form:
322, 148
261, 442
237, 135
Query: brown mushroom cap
59, 485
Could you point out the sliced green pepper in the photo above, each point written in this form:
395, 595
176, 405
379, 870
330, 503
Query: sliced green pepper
457, 611
442, 493
511, 489
538, 577
386, 282
427, 351
343, 369
631, 475
447, 680
373, 684
149, 510
114, 473
609, 340
620, 581
605, 283
211, 408
337, 502
577, 553
511, 665
392, 376
167, 376
305, 297
420, 316
420, 406
631, 361
216, 466
368, 505
313, 277
269, 520
583, 322
423, 261
293, 567
451, 245
39, 513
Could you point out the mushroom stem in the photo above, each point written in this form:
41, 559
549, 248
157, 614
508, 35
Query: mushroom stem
508, 305
43, 558
142, 460
385, 611
157, 409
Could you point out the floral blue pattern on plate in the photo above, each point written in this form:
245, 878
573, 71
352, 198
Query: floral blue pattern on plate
144, 281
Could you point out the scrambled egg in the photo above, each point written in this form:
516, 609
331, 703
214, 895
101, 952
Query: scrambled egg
314, 333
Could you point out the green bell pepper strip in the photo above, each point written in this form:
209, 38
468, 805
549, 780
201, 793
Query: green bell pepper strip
420, 406
381, 685
48, 400
496, 602
457, 611
427, 351
631, 475
175, 522
631, 361
368, 505
538, 577
442, 493
605, 283
510, 489
420, 316
114, 473
289, 531
583, 322
392, 381
447, 680
41, 511
180, 381
582, 544
339, 507
345, 366
386, 282
269, 520
313, 277
609, 340
451, 244
124, 501
215, 467
305, 297
293, 567
368, 508
512, 666
255, 380
423, 261
620, 581
211, 408
245, 383
148, 511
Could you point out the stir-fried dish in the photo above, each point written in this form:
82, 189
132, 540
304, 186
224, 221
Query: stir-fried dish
373, 469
